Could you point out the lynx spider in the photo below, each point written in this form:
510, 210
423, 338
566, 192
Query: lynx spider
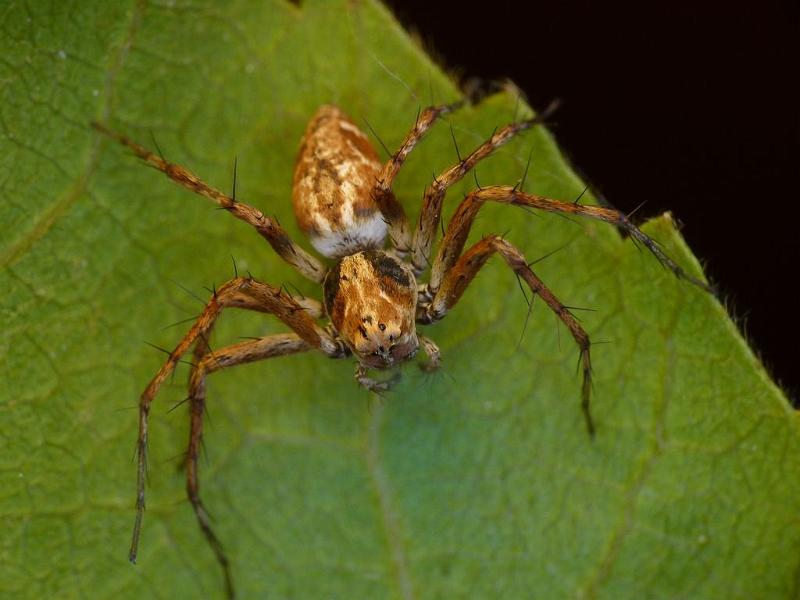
343, 201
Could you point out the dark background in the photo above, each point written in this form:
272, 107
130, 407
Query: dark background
693, 108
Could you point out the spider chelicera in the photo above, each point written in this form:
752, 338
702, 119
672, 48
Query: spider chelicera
372, 301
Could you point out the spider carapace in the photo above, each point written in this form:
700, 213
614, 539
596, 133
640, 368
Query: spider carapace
372, 297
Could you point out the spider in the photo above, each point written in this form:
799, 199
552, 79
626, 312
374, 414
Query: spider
372, 297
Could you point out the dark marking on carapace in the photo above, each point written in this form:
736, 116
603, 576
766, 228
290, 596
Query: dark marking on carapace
331, 287
387, 266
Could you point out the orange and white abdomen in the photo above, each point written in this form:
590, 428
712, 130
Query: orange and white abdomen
334, 175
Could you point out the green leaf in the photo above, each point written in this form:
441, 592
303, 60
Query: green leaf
477, 482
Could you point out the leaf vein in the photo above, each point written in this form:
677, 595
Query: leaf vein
389, 517
60, 206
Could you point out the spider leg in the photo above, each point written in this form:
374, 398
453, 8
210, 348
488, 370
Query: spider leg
391, 209
240, 292
434, 355
207, 362
459, 227
268, 227
431, 212
456, 280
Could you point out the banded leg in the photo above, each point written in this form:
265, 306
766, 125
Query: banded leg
208, 362
431, 212
457, 279
391, 209
241, 292
268, 227
458, 229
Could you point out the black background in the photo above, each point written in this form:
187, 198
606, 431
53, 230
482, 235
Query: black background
691, 107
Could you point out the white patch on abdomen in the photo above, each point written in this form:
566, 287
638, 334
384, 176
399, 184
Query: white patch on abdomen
364, 234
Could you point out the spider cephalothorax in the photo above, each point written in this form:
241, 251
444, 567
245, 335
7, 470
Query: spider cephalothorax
372, 300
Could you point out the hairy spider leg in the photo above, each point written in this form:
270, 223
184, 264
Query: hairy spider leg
459, 226
452, 272
240, 292
432, 201
456, 280
391, 209
268, 227
207, 362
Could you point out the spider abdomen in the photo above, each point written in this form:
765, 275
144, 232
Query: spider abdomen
371, 299
334, 176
